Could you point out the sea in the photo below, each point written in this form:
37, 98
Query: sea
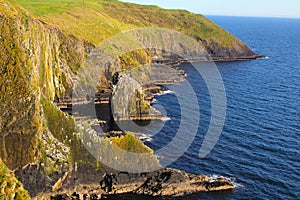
259, 144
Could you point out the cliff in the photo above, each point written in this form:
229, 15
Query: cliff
95, 21
31, 63
42, 51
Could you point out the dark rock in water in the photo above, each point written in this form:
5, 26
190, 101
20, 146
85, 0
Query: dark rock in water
153, 184
169, 182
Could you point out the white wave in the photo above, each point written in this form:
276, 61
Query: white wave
164, 119
215, 177
165, 92
236, 185
264, 58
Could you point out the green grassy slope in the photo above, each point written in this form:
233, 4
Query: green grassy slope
96, 20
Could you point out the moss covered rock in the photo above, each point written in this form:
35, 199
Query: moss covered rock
10, 187
34, 68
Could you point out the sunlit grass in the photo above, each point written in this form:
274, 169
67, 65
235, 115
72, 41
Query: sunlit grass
40, 7
96, 21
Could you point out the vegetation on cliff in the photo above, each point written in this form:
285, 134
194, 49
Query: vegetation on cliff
38, 63
33, 64
95, 21
131, 143
10, 187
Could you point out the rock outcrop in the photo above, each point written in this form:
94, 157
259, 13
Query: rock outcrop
159, 184
10, 186
165, 182
35, 66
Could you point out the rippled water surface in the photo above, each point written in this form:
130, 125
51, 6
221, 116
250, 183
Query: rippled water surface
260, 143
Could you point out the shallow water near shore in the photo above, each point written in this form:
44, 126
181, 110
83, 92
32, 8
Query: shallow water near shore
260, 143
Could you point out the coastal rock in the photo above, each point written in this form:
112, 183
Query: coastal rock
162, 183
34, 179
165, 182
10, 186
36, 66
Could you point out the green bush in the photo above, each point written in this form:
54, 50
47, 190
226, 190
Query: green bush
131, 143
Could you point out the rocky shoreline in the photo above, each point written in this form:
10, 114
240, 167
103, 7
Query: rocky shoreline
162, 183
175, 61
111, 184
242, 58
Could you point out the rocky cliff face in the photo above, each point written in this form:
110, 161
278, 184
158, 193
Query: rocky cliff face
37, 65
34, 67
10, 187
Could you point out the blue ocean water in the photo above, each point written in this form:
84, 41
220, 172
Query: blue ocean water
260, 143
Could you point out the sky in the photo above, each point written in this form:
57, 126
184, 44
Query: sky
259, 8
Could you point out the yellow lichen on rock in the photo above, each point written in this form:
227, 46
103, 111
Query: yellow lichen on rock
10, 187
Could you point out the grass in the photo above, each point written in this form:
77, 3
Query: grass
47, 7
97, 20
131, 143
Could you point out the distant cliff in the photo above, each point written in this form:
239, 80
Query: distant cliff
95, 21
